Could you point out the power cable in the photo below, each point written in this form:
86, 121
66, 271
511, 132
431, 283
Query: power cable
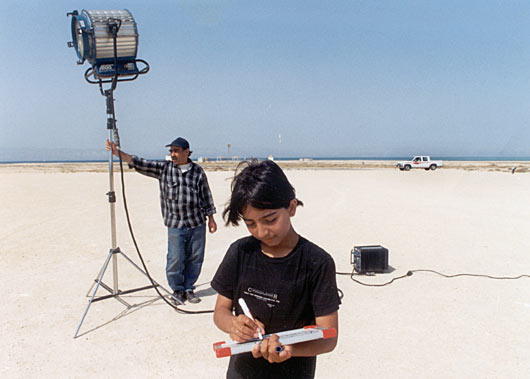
411, 272
474, 275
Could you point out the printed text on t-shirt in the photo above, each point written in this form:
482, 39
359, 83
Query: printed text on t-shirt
270, 298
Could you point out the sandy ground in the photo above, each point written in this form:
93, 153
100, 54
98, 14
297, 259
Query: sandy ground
55, 237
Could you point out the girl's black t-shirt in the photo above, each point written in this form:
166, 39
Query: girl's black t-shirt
284, 293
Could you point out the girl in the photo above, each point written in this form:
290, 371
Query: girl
287, 281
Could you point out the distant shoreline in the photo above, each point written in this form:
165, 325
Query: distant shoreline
226, 165
289, 159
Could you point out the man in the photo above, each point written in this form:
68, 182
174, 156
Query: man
186, 201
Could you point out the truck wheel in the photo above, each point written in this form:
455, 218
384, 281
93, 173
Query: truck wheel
407, 167
433, 167
401, 169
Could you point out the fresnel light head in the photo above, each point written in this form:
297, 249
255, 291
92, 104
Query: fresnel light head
108, 40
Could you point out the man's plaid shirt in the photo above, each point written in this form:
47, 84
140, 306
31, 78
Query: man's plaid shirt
185, 198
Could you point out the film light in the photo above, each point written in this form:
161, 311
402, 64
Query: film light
108, 40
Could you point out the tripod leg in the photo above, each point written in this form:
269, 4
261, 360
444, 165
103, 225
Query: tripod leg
96, 281
102, 272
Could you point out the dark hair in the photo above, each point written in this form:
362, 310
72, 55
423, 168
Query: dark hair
261, 185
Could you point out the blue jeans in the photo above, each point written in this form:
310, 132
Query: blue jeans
185, 254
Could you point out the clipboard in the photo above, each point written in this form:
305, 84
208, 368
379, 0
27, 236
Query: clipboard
288, 337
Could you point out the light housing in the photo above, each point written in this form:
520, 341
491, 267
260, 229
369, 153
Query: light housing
98, 34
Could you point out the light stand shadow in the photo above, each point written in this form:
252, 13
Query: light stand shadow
129, 310
208, 291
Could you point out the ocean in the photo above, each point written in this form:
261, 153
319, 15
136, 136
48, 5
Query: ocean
469, 159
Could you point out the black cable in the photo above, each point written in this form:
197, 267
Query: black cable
138, 249
410, 272
372, 285
474, 275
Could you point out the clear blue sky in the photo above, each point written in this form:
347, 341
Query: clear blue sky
339, 78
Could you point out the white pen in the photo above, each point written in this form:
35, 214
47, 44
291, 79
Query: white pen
247, 313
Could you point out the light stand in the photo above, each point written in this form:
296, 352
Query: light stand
85, 31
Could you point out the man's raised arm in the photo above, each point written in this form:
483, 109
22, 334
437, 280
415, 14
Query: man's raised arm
124, 156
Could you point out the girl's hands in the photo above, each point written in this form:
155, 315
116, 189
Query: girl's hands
271, 350
244, 329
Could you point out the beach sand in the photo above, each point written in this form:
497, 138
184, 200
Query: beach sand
470, 217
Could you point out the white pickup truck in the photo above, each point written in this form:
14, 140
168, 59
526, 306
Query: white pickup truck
419, 161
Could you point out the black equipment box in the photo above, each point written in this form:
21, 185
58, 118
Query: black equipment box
368, 259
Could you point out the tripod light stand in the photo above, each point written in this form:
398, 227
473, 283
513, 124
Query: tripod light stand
109, 41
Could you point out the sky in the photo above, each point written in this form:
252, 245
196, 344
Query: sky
294, 78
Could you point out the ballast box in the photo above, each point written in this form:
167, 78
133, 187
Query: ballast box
367, 259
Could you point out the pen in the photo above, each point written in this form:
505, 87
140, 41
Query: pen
247, 313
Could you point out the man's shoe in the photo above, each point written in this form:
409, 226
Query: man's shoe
192, 298
178, 295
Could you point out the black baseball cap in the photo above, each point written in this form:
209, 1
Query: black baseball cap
180, 142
